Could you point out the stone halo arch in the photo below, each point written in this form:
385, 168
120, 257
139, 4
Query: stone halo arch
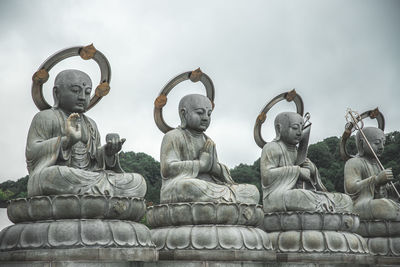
195, 76
85, 52
290, 96
349, 128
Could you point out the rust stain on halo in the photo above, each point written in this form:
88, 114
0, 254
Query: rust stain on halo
262, 117
160, 101
41, 76
102, 89
87, 52
195, 75
291, 95
374, 113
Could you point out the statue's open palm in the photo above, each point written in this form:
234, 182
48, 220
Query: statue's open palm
113, 144
73, 129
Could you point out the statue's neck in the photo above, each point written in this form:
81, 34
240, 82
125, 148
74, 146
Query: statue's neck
290, 147
194, 133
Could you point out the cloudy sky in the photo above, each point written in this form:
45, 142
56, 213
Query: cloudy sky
337, 54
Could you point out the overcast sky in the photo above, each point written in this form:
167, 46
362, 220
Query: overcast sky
337, 54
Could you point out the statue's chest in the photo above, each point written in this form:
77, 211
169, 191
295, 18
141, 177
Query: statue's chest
196, 145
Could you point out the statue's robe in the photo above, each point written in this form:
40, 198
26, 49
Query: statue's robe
283, 189
83, 168
182, 181
370, 200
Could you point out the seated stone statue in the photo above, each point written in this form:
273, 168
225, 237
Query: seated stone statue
289, 187
367, 184
190, 168
63, 149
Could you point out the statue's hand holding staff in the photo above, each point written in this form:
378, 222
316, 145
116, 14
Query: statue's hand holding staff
113, 144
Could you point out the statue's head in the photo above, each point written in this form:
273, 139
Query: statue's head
195, 112
375, 137
289, 127
71, 91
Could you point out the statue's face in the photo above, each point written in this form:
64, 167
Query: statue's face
292, 129
197, 114
73, 92
376, 139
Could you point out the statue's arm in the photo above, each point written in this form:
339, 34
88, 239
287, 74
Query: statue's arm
44, 138
172, 154
353, 181
269, 165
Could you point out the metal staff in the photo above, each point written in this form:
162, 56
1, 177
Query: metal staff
350, 112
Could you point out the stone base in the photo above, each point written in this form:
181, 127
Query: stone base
212, 242
384, 246
310, 241
65, 234
80, 254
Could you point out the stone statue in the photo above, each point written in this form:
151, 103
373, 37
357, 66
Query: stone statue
290, 187
367, 184
190, 168
63, 150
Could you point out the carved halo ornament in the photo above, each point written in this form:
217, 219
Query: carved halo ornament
288, 96
350, 127
161, 100
85, 52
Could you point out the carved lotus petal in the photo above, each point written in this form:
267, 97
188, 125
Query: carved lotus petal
40, 208
291, 221
63, 233
313, 241
66, 207
394, 228
272, 222
95, 233
10, 236
227, 214
395, 246
33, 236
93, 206
204, 237
230, 238
250, 238
178, 238
159, 237
313, 221
123, 233
354, 242
204, 212
143, 234
180, 214
18, 210
378, 245
336, 241
289, 241
332, 221
161, 214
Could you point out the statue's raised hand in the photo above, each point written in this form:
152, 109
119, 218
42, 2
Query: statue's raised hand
113, 144
73, 130
384, 176
207, 156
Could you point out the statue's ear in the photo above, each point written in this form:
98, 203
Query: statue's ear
56, 96
278, 128
182, 115
361, 147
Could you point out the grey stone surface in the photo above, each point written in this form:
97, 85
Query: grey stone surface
211, 237
367, 184
190, 167
306, 220
204, 213
75, 233
63, 151
76, 207
288, 186
80, 255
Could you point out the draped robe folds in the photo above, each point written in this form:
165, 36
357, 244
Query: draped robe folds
280, 183
83, 168
182, 180
360, 183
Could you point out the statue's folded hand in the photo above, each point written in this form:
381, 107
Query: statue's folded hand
384, 176
113, 144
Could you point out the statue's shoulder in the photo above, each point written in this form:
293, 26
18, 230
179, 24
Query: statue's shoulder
173, 135
45, 115
274, 145
354, 161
